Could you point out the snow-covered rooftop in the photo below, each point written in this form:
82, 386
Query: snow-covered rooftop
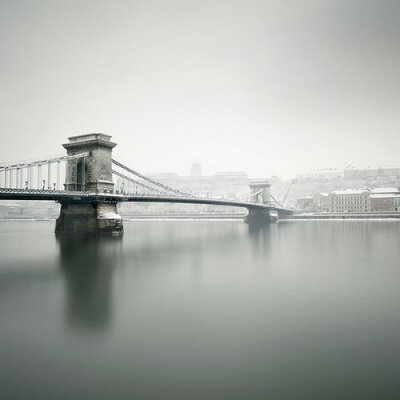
384, 196
350, 191
393, 190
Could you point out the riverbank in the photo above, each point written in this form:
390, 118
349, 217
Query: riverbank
341, 216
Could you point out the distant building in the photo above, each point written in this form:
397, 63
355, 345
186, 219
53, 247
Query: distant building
386, 199
382, 202
371, 173
305, 203
322, 202
321, 174
351, 200
196, 171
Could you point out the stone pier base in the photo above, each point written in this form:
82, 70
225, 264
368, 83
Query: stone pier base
260, 217
89, 218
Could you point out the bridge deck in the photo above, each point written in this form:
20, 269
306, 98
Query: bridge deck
62, 195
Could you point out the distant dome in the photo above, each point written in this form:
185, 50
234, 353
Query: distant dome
196, 169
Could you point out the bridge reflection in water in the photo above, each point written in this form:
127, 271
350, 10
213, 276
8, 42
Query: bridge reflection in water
87, 263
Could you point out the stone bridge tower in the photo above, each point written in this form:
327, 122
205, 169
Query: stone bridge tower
92, 173
260, 191
260, 194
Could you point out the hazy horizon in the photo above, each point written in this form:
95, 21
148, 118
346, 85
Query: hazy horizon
265, 87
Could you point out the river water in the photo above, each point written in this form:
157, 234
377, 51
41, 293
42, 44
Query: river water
201, 310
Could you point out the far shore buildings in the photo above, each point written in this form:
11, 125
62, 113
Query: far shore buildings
374, 176
233, 185
224, 185
385, 199
330, 180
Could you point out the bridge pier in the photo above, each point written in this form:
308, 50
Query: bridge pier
89, 217
260, 217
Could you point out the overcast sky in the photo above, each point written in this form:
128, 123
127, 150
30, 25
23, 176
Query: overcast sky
269, 87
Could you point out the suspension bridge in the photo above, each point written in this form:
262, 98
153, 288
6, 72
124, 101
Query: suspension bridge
84, 181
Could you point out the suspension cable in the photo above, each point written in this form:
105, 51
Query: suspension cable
136, 181
23, 164
276, 201
165, 187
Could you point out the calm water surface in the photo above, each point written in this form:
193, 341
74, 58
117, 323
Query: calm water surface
201, 310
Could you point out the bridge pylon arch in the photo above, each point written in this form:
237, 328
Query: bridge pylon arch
260, 191
93, 172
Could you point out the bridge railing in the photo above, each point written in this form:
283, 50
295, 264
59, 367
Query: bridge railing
43, 191
36, 174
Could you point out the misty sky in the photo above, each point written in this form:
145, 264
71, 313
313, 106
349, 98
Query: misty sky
269, 87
